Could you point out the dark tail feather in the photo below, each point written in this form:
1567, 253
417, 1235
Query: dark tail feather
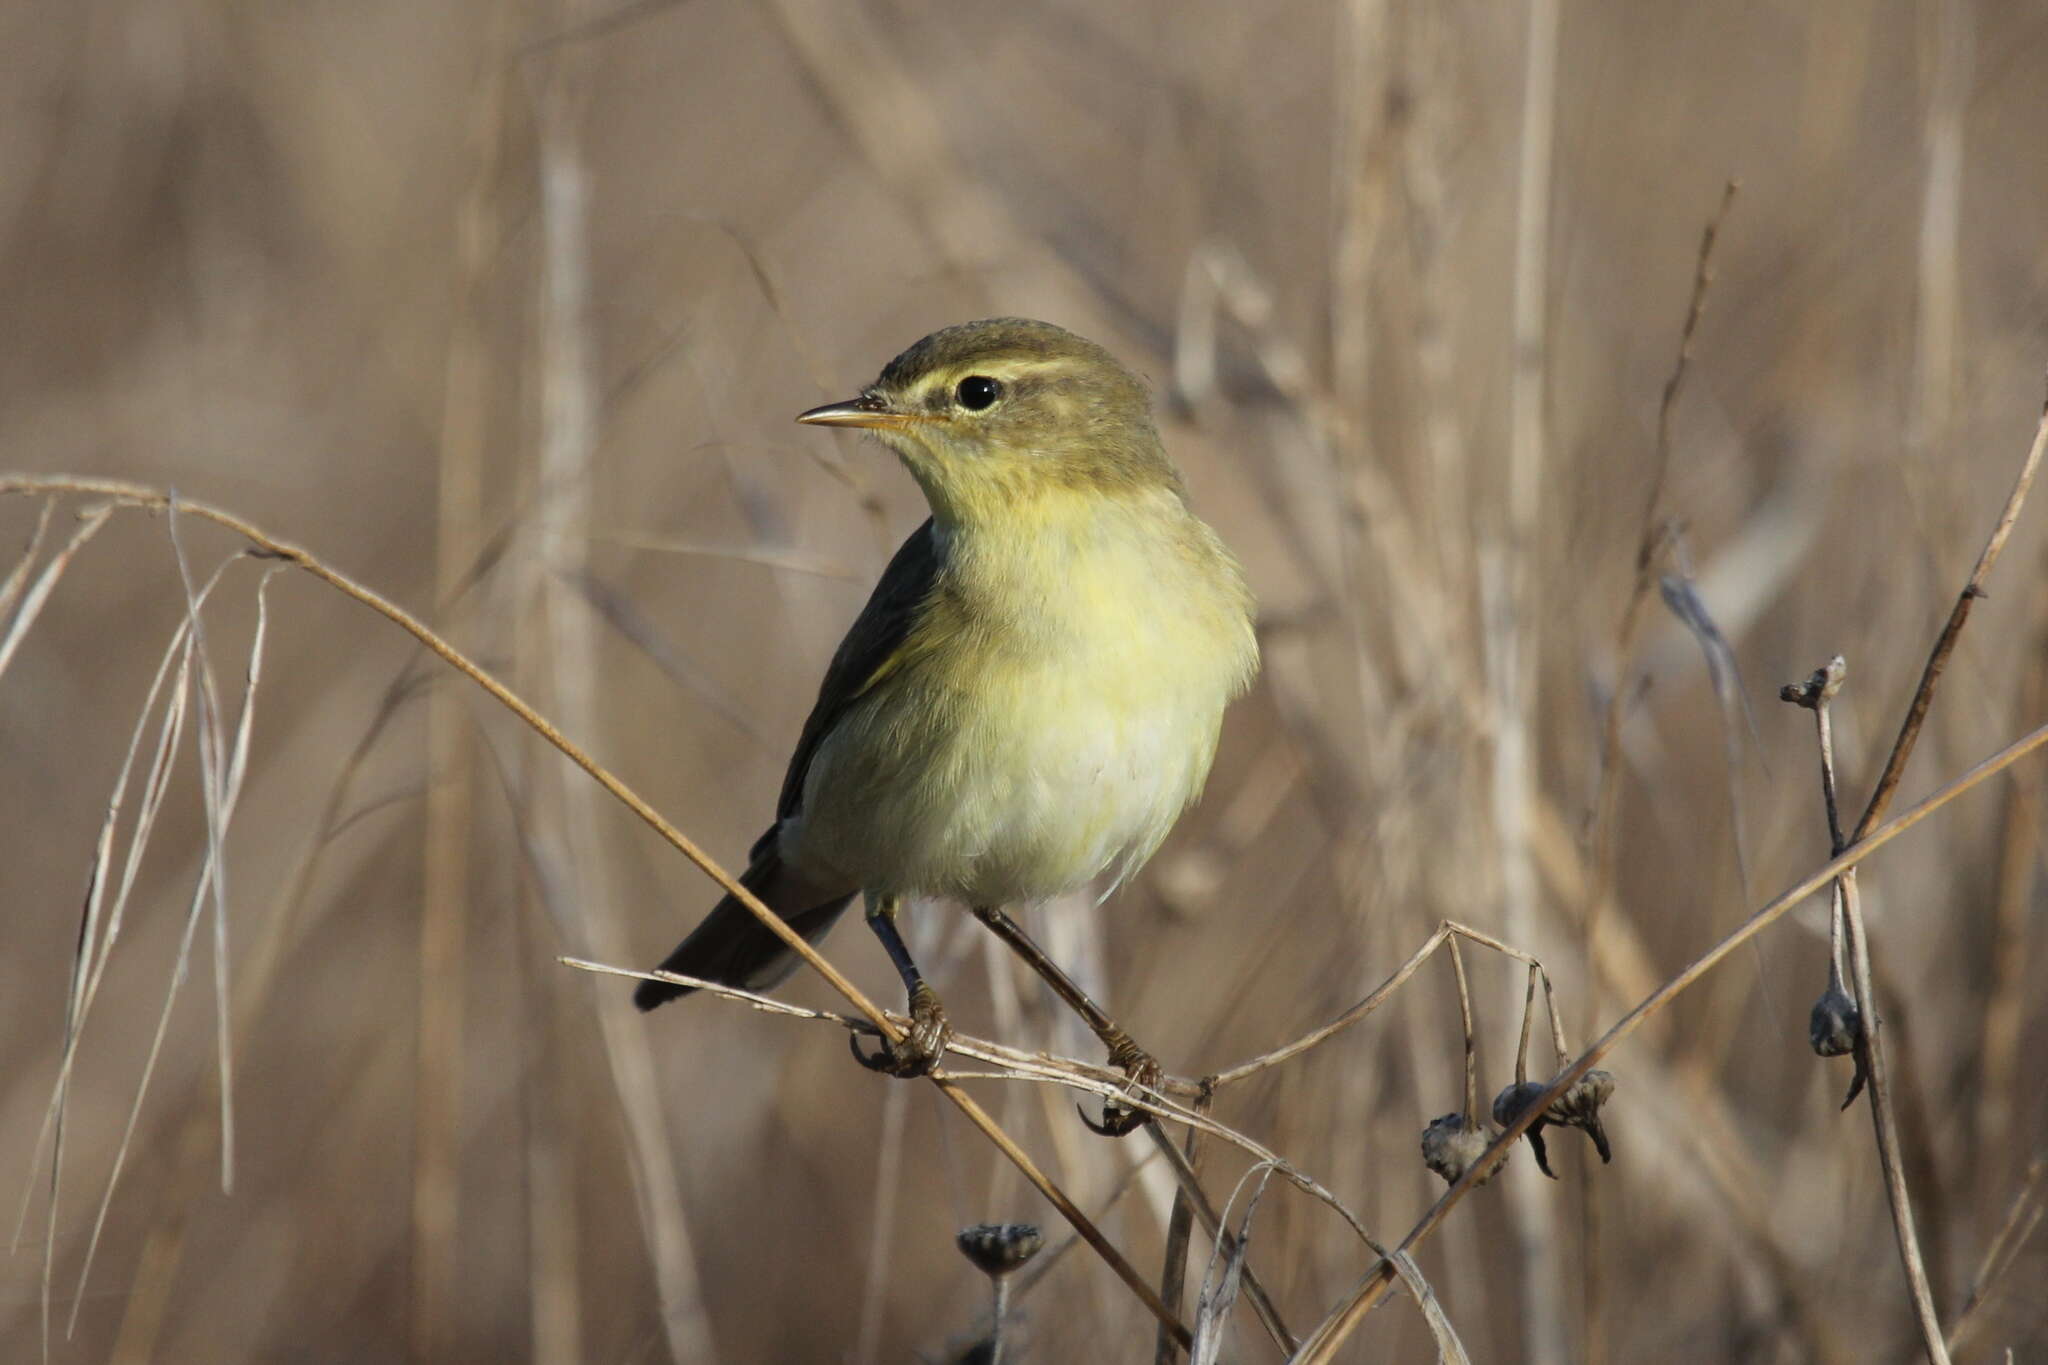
735, 949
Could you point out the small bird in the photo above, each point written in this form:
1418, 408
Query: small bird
1031, 696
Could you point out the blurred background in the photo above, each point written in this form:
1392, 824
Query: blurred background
505, 309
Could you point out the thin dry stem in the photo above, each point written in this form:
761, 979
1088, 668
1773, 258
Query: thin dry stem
1870, 1058
222, 779
32, 602
1379, 995
2022, 1216
1654, 536
882, 1232
1945, 644
449, 812
216, 778
1472, 1114
2008, 954
90, 960
94, 941
163, 1248
1179, 1226
1528, 1019
1512, 640
1885, 1121
17, 577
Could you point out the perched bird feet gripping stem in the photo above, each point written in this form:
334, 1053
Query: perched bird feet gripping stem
923, 1044
1120, 1119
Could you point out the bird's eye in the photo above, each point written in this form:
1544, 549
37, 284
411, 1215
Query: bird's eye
978, 391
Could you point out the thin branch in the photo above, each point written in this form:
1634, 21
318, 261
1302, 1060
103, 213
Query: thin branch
1870, 1060
1179, 1225
1696, 307
89, 523
17, 578
1528, 1017
1945, 644
1378, 997
1471, 1110
1649, 551
1885, 1122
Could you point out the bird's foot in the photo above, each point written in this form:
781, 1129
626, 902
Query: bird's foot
923, 1043
1118, 1118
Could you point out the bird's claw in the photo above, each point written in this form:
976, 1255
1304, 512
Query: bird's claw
921, 1046
1118, 1118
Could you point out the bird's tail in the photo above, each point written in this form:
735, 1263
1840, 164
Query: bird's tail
735, 949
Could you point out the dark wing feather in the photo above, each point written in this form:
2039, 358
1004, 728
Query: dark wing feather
867, 654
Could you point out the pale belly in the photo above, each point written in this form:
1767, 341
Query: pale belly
1021, 781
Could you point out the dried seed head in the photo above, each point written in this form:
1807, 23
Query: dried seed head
1819, 688
1450, 1146
999, 1248
1835, 1023
1508, 1106
1509, 1103
1579, 1107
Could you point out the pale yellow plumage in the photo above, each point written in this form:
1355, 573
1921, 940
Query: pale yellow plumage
1032, 695
1033, 739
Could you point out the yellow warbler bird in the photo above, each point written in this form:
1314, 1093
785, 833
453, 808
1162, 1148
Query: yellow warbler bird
1031, 696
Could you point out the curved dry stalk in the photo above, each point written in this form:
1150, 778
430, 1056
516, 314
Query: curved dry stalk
1471, 1110
1344, 1319
164, 1245
38, 593
1649, 551
1846, 927
143, 496
1180, 1222
1945, 643
1444, 930
100, 923
17, 577
221, 775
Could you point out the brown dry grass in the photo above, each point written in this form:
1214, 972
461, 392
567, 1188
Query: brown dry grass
327, 267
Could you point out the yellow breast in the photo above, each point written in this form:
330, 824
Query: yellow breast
1054, 711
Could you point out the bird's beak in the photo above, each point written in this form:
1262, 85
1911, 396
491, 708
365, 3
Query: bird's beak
869, 410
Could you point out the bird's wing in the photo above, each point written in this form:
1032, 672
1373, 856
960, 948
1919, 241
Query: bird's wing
871, 651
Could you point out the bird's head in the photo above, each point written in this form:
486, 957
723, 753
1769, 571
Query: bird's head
988, 415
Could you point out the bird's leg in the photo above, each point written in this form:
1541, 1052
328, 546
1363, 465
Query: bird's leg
1118, 1119
925, 1042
